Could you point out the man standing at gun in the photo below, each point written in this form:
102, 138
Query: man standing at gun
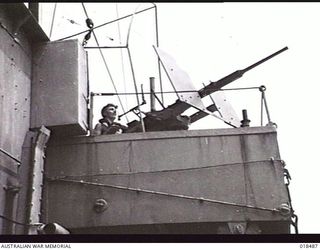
107, 125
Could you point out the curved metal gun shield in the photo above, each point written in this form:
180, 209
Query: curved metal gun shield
180, 80
225, 109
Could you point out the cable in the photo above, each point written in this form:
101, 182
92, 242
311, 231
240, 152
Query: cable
53, 17
105, 47
130, 25
266, 107
170, 92
247, 88
157, 43
136, 89
132, 71
122, 58
200, 199
104, 61
131, 93
101, 25
261, 110
158, 171
10, 156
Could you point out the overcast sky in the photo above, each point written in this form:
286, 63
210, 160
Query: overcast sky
209, 41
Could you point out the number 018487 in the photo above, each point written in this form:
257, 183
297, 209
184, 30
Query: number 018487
309, 245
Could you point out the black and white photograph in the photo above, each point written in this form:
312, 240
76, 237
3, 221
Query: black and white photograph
141, 122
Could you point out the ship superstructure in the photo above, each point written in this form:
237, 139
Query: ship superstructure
158, 177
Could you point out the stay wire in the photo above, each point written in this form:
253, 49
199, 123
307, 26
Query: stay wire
132, 70
200, 199
169, 92
261, 110
53, 18
157, 43
57, 178
122, 57
101, 25
104, 60
10, 156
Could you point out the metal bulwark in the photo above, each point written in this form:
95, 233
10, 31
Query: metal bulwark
165, 177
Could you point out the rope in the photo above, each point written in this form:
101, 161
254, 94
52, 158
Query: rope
104, 60
201, 199
101, 25
159, 171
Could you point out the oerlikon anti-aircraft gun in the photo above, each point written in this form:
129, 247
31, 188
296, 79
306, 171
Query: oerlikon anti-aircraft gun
171, 118
173, 180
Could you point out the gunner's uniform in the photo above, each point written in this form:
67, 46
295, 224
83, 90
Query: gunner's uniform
106, 127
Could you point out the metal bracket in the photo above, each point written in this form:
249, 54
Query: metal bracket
14, 189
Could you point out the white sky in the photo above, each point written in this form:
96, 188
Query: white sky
209, 41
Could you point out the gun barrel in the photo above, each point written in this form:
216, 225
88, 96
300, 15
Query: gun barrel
179, 106
265, 59
215, 86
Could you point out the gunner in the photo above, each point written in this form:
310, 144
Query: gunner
107, 124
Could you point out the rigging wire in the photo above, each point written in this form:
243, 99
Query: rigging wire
200, 199
104, 61
136, 89
101, 25
122, 57
161, 171
157, 43
53, 17
105, 47
130, 25
261, 110
10, 156
170, 92
132, 70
